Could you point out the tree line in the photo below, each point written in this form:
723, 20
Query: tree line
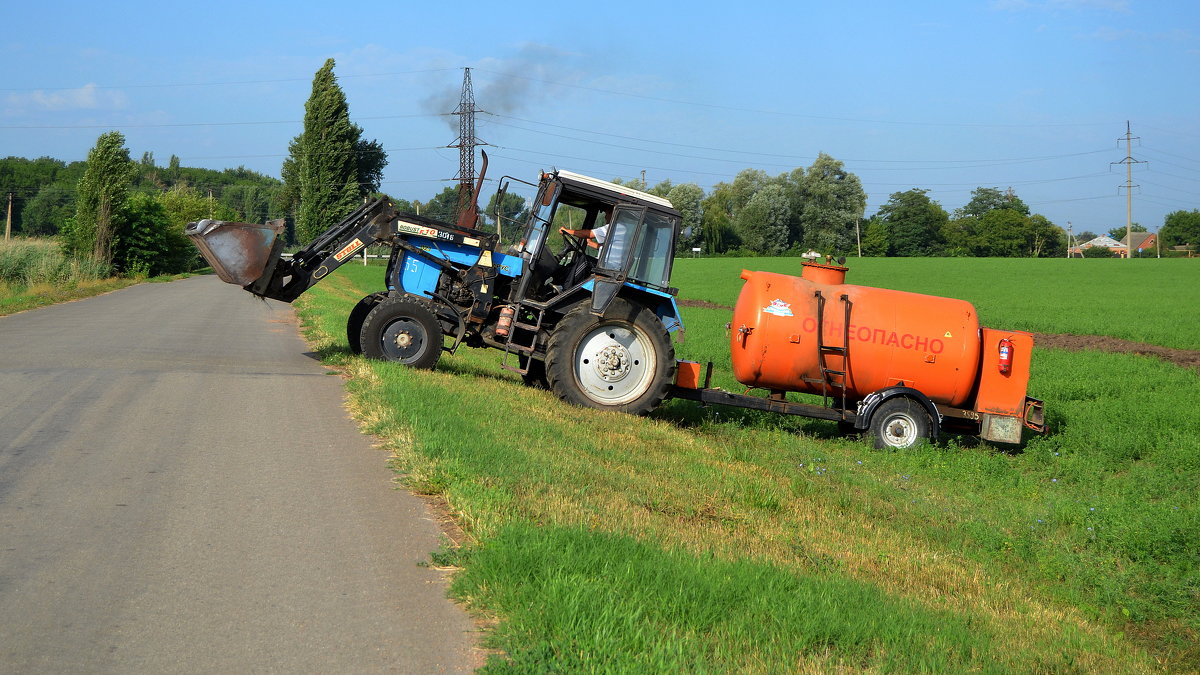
130, 214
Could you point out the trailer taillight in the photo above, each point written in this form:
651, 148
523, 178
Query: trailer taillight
1006, 356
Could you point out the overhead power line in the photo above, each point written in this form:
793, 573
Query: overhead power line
200, 124
759, 111
997, 161
164, 85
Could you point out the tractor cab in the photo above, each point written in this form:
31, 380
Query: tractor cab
635, 232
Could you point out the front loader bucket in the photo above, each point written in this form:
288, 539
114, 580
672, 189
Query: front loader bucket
238, 252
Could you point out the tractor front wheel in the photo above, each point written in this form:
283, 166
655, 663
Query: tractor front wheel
403, 330
622, 361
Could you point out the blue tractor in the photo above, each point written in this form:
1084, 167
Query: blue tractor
586, 311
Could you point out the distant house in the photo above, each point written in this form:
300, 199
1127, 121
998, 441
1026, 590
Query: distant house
1104, 241
1142, 241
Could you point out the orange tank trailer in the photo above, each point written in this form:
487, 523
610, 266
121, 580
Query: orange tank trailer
819, 335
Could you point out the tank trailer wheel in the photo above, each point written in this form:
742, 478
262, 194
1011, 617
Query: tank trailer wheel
900, 423
402, 330
354, 323
624, 361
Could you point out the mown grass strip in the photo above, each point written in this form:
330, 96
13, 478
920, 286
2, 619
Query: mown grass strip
578, 600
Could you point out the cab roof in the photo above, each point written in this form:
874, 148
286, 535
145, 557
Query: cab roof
608, 191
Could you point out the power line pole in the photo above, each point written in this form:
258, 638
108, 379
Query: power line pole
1070, 237
466, 144
1129, 161
8, 221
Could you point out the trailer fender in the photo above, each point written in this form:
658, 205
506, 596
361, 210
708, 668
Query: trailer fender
868, 406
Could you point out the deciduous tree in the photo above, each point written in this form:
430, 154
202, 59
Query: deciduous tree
148, 242
717, 228
686, 198
984, 199
833, 199
877, 237
1181, 227
763, 221
1119, 233
914, 222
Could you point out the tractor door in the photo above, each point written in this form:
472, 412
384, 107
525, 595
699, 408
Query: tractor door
616, 255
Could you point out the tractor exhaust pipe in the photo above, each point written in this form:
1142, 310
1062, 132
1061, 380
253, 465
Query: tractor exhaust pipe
468, 215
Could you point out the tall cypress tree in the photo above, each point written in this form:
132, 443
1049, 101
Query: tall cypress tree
101, 196
330, 167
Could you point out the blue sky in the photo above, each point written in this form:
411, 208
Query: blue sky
946, 96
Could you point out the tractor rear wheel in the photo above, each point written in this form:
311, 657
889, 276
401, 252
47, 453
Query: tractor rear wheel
535, 375
403, 330
622, 361
359, 314
900, 423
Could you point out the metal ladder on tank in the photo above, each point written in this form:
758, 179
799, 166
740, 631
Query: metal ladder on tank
829, 375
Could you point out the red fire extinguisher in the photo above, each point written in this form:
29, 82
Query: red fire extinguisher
505, 320
1006, 349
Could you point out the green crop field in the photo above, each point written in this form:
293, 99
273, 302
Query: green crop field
717, 539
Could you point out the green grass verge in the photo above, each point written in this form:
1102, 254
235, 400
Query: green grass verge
594, 538
15, 299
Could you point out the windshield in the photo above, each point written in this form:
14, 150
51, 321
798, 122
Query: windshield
539, 217
652, 260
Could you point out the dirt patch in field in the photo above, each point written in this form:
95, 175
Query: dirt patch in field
704, 304
1188, 358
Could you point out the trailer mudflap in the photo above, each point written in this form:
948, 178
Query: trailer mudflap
1035, 415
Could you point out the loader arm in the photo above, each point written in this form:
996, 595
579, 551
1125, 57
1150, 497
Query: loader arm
286, 279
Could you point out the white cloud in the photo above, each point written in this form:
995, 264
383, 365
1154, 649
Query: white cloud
87, 97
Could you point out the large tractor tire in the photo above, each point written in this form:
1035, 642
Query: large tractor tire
622, 361
403, 330
359, 314
535, 375
900, 423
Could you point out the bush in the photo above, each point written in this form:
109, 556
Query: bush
147, 242
1098, 252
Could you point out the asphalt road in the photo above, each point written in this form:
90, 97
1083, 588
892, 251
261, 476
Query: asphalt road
181, 490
